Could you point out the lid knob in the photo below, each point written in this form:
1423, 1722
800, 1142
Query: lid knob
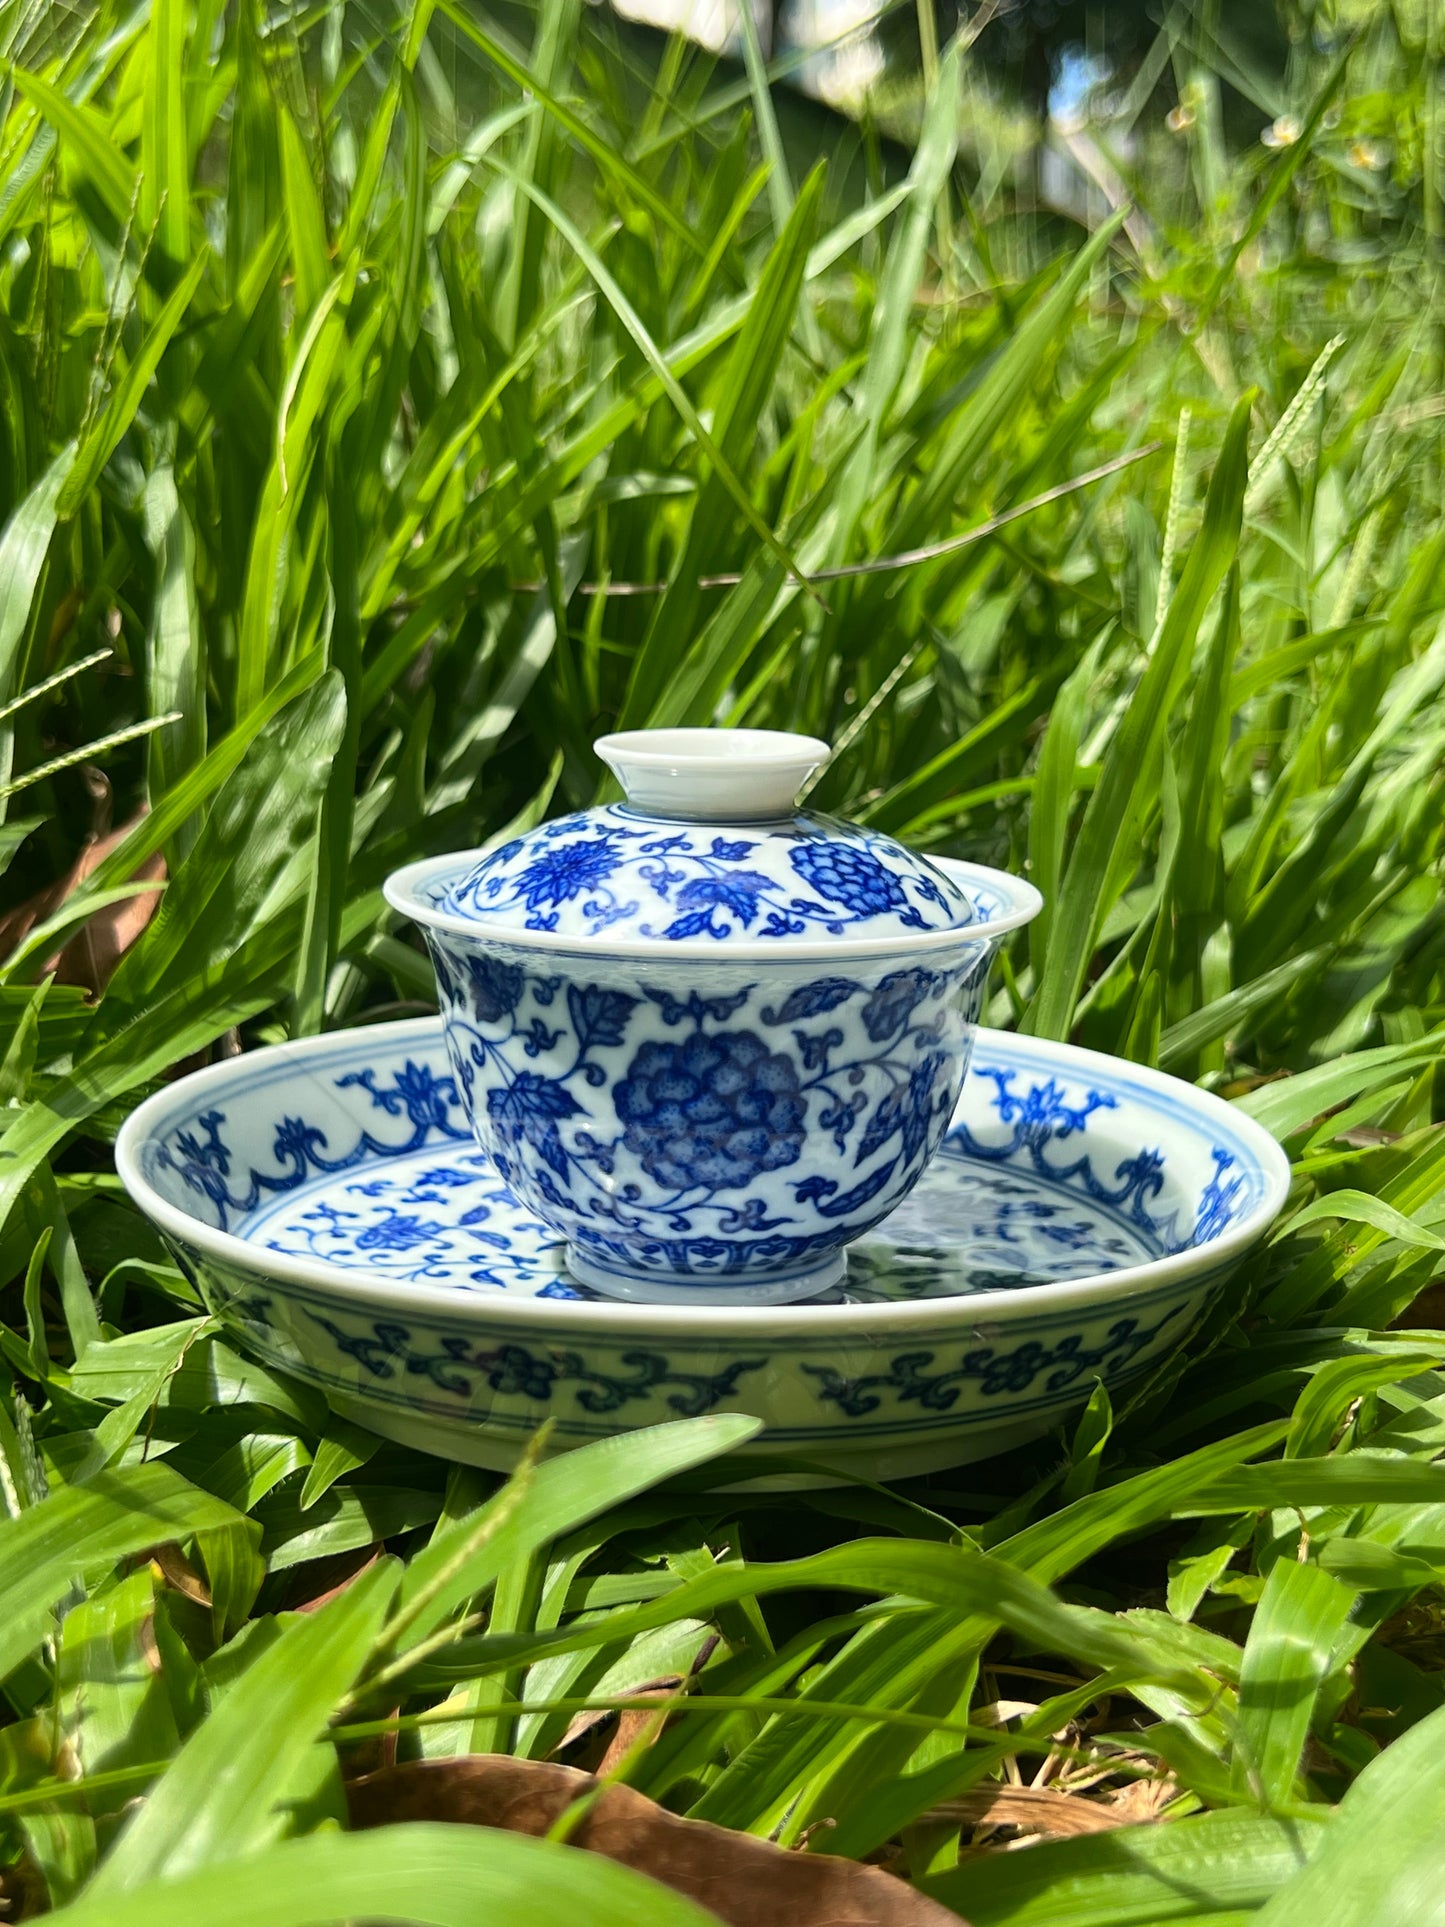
707, 775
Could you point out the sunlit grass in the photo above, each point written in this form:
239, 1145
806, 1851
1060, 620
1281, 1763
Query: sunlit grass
401, 407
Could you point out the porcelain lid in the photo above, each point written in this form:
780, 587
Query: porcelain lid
709, 845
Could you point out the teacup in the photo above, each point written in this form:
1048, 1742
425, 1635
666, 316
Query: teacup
708, 1038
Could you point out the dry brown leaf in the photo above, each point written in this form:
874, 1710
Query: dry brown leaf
633, 1722
178, 1572
90, 955
1144, 1799
326, 1580
1061, 1816
745, 1882
594, 1716
22, 1891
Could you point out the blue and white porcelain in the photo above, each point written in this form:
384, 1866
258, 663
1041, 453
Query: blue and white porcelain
329, 1200
708, 1039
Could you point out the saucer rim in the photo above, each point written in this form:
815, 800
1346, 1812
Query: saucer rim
151, 1118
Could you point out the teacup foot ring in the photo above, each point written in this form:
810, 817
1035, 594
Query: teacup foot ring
700, 1290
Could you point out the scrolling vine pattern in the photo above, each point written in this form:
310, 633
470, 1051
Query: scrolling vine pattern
385, 1349
202, 1158
1043, 1116
610, 870
996, 1373
643, 1118
461, 1368
201, 1154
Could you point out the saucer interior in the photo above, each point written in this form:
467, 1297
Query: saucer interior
353, 1153
448, 1220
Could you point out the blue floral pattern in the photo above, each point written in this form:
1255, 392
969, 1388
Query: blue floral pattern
386, 1349
846, 874
967, 1228
996, 1370
201, 1158
731, 1134
612, 871
469, 1371
364, 1167
999, 1206
720, 1108
1043, 1118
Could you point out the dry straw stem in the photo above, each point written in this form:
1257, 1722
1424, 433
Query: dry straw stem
909, 558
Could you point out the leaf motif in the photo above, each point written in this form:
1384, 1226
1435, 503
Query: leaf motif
885, 1123
528, 1110
811, 1000
599, 1016
918, 1106
698, 924
532, 1096
894, 1001
738, 891
861, 1194
496, 986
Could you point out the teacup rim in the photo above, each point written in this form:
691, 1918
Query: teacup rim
403, 891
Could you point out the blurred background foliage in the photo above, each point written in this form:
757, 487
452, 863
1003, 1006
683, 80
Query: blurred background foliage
393, 399
328, 351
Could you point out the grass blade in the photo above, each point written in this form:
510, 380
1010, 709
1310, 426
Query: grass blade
220, 1800
1380, 1859
1107, 825
1287, 1659
165, 186
113, 1515
459, 1876
1216, 1866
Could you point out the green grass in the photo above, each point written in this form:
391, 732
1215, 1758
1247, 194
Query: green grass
351, 367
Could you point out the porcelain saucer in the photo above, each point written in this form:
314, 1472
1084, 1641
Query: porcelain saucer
333, 1208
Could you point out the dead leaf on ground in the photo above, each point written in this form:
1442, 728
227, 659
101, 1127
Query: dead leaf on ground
90, 955
637, 1722
744, 1881
627, 1725
1145, 1799
1059, 1816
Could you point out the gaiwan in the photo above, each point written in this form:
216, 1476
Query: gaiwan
706, 1036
